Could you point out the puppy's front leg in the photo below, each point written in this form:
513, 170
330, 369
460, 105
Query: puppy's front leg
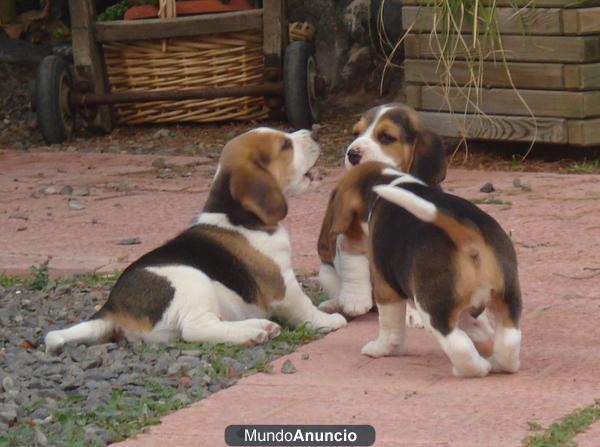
331, 284
352, 264
297, 308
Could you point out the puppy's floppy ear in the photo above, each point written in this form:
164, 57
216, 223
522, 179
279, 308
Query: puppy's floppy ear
347, 209
258, 193
429, 159
326, 244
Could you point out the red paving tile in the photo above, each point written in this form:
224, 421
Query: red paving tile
411, 400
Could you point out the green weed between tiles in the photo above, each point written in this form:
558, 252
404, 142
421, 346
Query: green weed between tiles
562, 432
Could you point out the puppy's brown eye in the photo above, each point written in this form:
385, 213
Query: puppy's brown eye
287, 144
385, 138
355, 134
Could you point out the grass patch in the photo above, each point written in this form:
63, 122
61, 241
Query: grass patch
585, 167
562, 432
39, 279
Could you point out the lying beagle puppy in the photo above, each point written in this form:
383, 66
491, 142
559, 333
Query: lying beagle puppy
393, 134
441, 251
222, 278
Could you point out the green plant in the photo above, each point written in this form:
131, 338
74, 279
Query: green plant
40, 276
562, 432
114, 12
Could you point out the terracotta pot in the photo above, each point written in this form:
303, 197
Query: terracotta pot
189, 7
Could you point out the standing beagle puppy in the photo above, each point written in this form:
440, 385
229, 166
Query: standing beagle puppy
222, 278
440, 251
392, 134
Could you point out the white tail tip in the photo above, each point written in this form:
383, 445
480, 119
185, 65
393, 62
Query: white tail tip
412, 203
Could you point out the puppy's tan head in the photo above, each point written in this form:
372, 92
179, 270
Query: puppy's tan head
394, 134
257, 171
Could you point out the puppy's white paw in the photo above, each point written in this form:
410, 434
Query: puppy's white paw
331, 306
478, 368
330, 322
356, 305
379, 348
413, 318
53, 341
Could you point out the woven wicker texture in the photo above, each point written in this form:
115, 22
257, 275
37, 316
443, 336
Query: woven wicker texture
218, 60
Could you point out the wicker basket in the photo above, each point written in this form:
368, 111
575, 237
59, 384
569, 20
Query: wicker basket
220, 60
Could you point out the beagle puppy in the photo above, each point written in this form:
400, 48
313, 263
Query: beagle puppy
221, 279
440, 251
393, 134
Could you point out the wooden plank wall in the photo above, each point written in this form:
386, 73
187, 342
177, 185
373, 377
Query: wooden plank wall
552, 52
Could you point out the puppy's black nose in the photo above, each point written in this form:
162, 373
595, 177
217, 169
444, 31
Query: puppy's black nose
354, 156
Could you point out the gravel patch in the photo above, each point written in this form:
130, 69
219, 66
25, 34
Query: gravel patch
103, 393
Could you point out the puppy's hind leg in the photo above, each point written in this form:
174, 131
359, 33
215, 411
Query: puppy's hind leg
466, 361
209, 329
507, 335
87, 332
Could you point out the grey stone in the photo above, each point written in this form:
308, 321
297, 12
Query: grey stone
305, 356
8, 413
130, 241
99, 374
288, 367
62, 289
487, 188
159, 163
66, 190
9, 384
50, 190
90, 363
161, 133
40, 437
76, 205
82, 191
182, 397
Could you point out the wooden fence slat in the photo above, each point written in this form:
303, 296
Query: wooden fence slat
550, 49
584, 132
529, 21
518, 3
581, 21
551, 103
512, 128
524, 74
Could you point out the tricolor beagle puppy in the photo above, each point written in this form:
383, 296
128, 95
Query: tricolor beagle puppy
440, 251
393, 134
222, 278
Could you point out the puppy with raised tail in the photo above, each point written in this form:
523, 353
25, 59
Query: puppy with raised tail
393, 134
222, 278
440, 251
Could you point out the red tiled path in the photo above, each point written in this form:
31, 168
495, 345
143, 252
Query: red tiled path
411, 400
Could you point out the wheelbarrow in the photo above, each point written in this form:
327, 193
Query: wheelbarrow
64, 91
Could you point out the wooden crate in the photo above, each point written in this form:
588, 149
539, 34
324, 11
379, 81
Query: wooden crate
553, 54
